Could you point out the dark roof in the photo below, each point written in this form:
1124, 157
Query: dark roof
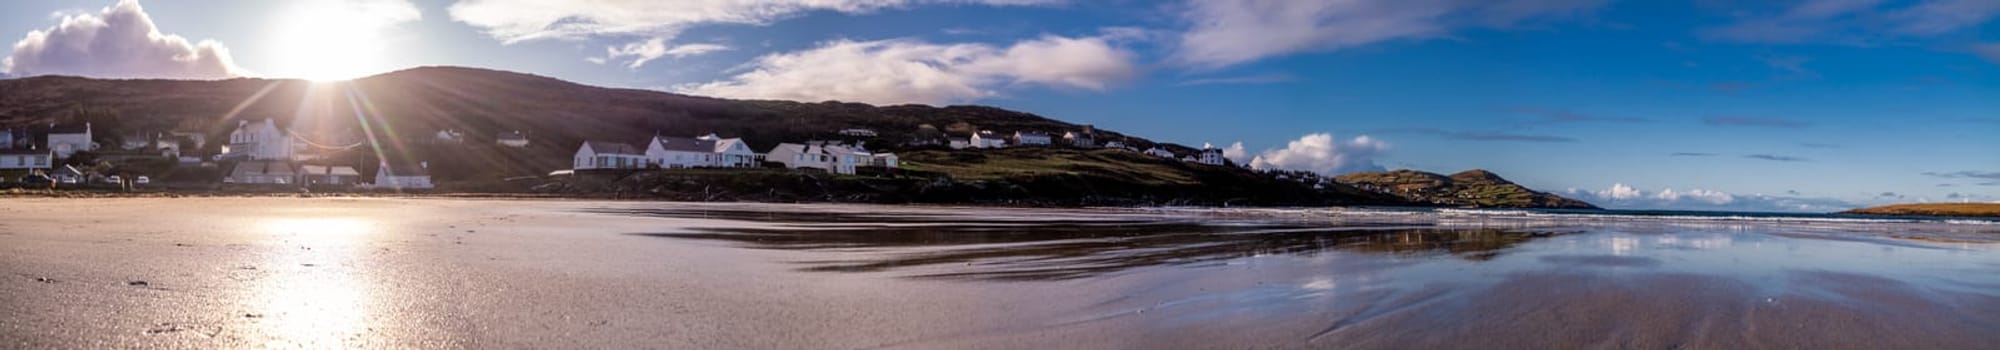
69, 128
23, 152
685, 144
605, 147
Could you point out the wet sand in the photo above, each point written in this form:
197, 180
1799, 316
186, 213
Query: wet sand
438, 273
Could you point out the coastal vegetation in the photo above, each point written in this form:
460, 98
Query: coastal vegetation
1933, 209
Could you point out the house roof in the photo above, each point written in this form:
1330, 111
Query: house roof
329, 170
24, 152
795, 148
723, 145
254, 168
685, 144
69, 128
607, 147
512, 135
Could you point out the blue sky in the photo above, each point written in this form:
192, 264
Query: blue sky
1772, 105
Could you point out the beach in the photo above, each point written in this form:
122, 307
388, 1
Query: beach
489, 273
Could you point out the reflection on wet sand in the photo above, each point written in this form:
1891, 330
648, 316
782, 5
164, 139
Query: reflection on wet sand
1053, 248
313, 299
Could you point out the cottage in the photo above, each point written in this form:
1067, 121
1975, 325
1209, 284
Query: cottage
608, 155
449, 136
262, 172
882, 160
830, 158
514, 139
680, 152
734, 153
1117, 145
1160, 152
24, 159
1079, 140
1211, 156
960, 143
260, 141
326, 175
6, 138
403, 176
987, 139
66, 140
1031, 138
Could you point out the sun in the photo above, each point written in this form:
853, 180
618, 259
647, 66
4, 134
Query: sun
328, 40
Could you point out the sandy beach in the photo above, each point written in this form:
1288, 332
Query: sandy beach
464, 273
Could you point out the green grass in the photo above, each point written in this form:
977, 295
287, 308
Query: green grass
1934, 209
994, 164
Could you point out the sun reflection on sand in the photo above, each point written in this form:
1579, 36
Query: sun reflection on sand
314, 297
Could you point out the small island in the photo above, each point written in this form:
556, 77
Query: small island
1933, 209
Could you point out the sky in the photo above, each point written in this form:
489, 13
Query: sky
1804, 105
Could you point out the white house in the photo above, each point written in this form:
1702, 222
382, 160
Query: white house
449, 136
669, 152
1031, 138
68, 139
1079, 140
1116, 144
832, 159
261, 141
24, 159
403, 176
514, 139
6, 138
960, 143
987, 139
262, 172
1211, 156
608, 155
734, 153
1160, 152
858, 132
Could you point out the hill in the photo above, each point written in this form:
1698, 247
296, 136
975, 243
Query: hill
407, 107
1471, 188
1933, 209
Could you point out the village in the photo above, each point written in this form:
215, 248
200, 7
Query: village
261, 154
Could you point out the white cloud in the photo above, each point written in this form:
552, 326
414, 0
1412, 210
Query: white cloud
636, 54
1323, 154
912, 71
1619, 191
514, 21
117, 42
1236, 153
1621, 196
1230, 32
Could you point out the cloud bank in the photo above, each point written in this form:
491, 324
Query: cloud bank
654, 21
120, 41
1231, 32
912, 71
1321, 153
1854, 21
1622, 196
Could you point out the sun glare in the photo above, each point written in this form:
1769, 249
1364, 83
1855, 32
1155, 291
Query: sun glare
327, 41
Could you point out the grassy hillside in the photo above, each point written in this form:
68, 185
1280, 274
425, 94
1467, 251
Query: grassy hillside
1104, 176
1933, 209
405, 108
1471, 188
